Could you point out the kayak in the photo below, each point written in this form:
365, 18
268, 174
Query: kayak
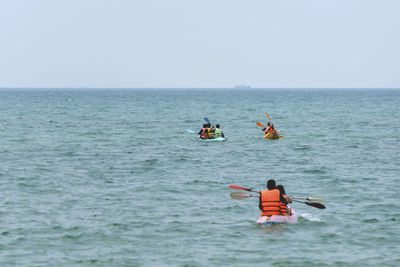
272, 135
274, 219
214, 139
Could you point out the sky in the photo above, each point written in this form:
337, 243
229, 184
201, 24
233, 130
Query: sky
200, 43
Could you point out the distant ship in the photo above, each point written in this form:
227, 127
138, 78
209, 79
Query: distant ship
242, 86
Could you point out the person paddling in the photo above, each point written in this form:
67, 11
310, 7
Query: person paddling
285, 210
266, 129
270, 200
272, 128
218, 132
211, 132
203, 132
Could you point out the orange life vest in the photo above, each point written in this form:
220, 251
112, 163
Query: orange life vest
284, 208
270, 202
204, 134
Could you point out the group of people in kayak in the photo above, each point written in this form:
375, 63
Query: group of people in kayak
269, 129
210, 132
274, 201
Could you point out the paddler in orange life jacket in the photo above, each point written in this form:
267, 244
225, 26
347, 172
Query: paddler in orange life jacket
287, 211
271, 201
266, 130
203, 132
272, 128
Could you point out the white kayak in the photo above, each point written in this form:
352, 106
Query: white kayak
278, 218
214, 139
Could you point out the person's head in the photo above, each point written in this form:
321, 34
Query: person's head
205, 125
208, 125
217, 126
268, 124
281, 189
271, 184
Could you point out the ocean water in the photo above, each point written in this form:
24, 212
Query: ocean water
113, 177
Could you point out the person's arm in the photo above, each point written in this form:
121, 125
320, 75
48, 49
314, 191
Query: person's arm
287, 199
259, 203
201, 131
283, 199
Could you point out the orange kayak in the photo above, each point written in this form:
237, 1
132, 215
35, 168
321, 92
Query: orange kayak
272, 135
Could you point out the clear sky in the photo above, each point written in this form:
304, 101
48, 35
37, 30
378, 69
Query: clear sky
200, 43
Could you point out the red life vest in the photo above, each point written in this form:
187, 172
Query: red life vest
270, 202
204, 134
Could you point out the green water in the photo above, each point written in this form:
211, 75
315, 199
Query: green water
112, 177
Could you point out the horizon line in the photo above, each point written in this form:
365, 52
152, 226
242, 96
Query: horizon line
194, 88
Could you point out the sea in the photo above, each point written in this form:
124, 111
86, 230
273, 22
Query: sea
118, 177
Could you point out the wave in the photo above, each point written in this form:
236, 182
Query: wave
309, 217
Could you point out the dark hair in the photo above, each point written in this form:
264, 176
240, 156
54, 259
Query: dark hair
268, 123
281, 189
217, 125
204, 125
208, 125
271, 184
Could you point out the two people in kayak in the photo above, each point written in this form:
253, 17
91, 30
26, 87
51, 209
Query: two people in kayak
210, 132
274, 201
269, 129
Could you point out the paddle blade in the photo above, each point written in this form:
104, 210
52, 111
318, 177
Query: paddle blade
239, 195
190, 131
239, 187
260, 124
206, 120
316, 199
315, 205
267, 115
312, 199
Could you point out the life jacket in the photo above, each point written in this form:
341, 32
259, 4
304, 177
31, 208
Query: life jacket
270, 202
204, 134
211, 132
284, 208
217, 133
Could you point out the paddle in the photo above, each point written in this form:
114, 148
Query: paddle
311, 199
315, 205
281, 136
207, 120
241, 195
242, 188
244, 195
260, 124
268, 116
190, 131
